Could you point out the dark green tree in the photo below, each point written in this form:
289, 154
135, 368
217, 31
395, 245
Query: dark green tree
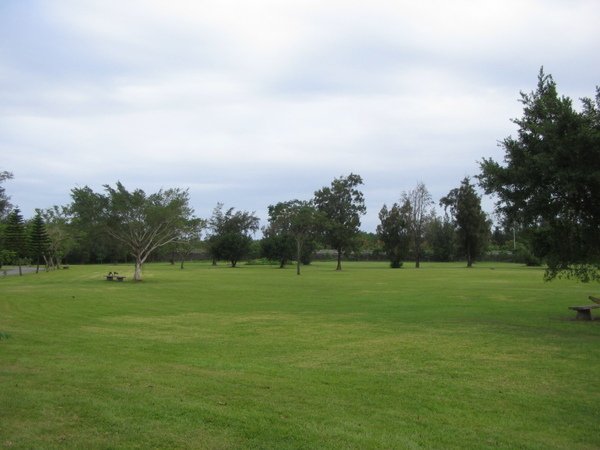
88, 225
231, 234
63, 235
341, 205
39, 241
297, 223
16, 238
550, 180
418, 205
472, 224
277, 247
188, 239
394, 232
441, 238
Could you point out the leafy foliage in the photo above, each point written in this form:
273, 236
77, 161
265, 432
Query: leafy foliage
472, 225
418, 205
293, 225
62, 233
16, 237
146, 222
441, 236
231, 234
394, 232
39, 240
551, 179
342, 204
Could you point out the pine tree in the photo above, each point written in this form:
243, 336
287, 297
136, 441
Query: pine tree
15, 237
39, 241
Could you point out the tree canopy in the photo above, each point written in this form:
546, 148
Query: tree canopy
16, 238
231, 234
394, 232
39, 240
341, 204
141, 222
471, 222
550, 179
296, 221
418, 204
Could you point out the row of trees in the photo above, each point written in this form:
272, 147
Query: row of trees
117, 224
549, 189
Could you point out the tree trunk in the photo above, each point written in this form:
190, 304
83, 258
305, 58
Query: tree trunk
298, 254
20, 271
339, 260
469, 258
137, 276
181, 264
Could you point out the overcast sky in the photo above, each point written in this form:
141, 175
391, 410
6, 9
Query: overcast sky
254, 102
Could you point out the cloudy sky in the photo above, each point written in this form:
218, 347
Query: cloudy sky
254, 102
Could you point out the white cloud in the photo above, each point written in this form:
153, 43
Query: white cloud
256, 102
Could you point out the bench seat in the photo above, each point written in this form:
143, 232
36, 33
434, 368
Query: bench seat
584, 312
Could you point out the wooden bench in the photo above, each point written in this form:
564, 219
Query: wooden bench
114, 276
584, 312
594, 299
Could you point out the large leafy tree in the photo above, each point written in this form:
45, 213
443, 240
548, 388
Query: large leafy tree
341, 204
277, 246
16, 238
394, 232
88, 215
39, 241
419, 211
550, 179
231, 234
441, 237
294, 223
144, 223
472, 224
188, 239
63, 236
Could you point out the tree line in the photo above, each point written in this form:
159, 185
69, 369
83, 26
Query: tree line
548, 192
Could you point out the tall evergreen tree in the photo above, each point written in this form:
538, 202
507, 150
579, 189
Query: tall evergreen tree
39, 241
550, 179
472, 225
16, 237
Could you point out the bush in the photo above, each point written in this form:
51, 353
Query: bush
524, 255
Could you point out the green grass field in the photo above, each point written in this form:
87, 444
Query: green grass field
257, 357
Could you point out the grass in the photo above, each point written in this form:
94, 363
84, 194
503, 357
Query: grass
257, 357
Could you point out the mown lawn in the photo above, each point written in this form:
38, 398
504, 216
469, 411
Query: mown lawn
257, 357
